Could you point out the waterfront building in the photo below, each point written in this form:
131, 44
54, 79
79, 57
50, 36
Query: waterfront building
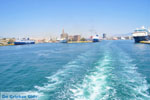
64, 35
128, 37
76, 37
6, 41
70, 38
104, 36
114, 38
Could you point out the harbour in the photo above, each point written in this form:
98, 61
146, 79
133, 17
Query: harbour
74, 50
90, 71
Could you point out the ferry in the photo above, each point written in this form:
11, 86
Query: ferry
24, 41
63, 40
95, 38
141, 34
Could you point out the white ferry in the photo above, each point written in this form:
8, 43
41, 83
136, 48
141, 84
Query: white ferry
141, 34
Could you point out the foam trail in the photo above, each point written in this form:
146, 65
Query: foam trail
134, 83
115, 77
64, 75
95, 85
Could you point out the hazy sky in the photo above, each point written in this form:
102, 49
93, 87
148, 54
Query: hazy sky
44, 18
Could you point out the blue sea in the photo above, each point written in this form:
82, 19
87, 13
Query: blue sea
107, 70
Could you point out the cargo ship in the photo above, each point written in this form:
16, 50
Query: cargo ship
95, 38
141, 34
24, 41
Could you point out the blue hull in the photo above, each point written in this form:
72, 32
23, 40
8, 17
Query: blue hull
141, 38
95, 40
23, 43
63, 41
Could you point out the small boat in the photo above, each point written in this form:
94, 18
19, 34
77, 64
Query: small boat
24, 41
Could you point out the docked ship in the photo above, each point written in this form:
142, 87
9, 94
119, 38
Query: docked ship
63, 40
141, 34
24, 41
95, 38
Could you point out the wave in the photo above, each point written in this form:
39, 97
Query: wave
95, 84
113, 76
59, 83
134, 83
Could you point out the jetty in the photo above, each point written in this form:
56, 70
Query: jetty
79, 42
145, 42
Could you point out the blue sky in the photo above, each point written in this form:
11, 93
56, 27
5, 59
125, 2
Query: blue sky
44, 18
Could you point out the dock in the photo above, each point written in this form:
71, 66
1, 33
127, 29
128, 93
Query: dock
145, 42
79, 42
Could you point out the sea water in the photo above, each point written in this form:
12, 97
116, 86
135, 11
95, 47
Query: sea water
107, 70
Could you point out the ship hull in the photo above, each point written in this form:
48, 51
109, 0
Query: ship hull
23, 43
95, 40
63, 41
137, 39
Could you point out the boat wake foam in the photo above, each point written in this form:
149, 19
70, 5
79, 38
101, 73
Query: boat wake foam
59, 83
114, 76
95, 84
